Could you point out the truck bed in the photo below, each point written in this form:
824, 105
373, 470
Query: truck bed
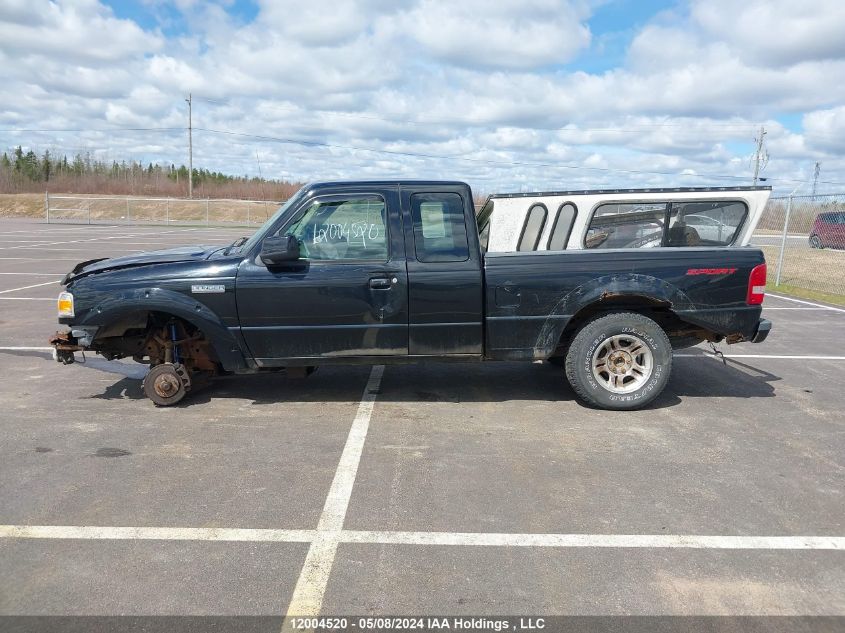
532, 296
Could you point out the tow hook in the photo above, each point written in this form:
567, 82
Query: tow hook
64, 345
717, 353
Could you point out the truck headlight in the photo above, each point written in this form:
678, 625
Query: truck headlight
65, 305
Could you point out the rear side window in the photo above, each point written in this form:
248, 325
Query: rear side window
626, 225
714, 223
562, 227
535, 220
440, 232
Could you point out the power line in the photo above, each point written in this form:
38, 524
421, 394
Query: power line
642, 128
427, 121
419, 154
90, 129
309, 143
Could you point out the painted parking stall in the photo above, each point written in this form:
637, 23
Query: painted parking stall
413, 489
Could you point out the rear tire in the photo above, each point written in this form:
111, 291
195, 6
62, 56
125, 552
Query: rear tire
816, 242
619, 361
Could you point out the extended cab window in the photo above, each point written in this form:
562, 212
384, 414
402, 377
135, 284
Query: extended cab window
627, 225
440, 232
338, 229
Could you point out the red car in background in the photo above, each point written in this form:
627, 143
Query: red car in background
828, 230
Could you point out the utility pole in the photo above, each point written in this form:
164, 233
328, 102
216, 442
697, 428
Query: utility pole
816, 178
761, 156
191, 151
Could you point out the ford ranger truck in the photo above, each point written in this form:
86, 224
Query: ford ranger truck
604, 284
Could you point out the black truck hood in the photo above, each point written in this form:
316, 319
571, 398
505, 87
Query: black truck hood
170, 255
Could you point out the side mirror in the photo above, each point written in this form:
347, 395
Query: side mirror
279, 249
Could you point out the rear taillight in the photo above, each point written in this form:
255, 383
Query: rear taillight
756, 285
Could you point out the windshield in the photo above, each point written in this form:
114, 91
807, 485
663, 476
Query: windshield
263, 230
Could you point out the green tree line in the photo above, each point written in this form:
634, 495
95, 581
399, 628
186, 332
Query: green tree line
26, 171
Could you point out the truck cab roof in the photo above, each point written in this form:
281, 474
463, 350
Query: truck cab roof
390, 182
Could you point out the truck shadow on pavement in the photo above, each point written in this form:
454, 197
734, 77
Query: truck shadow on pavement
456, 383
692, 377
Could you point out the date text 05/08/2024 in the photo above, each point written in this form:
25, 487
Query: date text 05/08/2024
427, 623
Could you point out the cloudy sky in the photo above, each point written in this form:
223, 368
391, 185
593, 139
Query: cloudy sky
506, 94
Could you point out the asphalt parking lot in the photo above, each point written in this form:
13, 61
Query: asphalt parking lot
433, 489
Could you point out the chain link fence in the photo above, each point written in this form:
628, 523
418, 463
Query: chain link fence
135, 210
803, 238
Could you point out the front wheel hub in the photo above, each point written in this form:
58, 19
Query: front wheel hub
167, 384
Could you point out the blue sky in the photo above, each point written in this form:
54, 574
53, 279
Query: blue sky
614, 25
170, 19
512, 94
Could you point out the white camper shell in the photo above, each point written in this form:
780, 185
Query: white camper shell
613, 219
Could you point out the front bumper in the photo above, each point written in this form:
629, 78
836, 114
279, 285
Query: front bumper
75, 340
764, 326
64, 344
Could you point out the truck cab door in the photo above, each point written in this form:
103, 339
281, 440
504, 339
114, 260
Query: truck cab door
347, 295
445, 292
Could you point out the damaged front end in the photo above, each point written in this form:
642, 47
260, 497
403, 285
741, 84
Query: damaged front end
74, 340
66, 343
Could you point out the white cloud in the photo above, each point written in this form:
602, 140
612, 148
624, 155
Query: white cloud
503, 34
775, 32
825, 129
81, 31
324, 22
475, 80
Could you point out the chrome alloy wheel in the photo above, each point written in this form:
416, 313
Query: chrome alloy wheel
622, 363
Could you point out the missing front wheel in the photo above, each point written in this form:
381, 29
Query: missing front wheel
167, 384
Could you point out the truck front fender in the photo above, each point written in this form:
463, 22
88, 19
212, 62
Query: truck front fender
609, 288
117, 305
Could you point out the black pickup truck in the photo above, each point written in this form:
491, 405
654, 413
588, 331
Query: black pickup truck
397, 272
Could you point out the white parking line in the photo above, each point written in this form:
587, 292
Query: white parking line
36, 274
109, 251
204, 237
389, 537
774, 356
41, 259
307, 598
336, 507
767, 308
25, 349
27, 298
45, 243
809, 303
46, 283
89, 532
687, 541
